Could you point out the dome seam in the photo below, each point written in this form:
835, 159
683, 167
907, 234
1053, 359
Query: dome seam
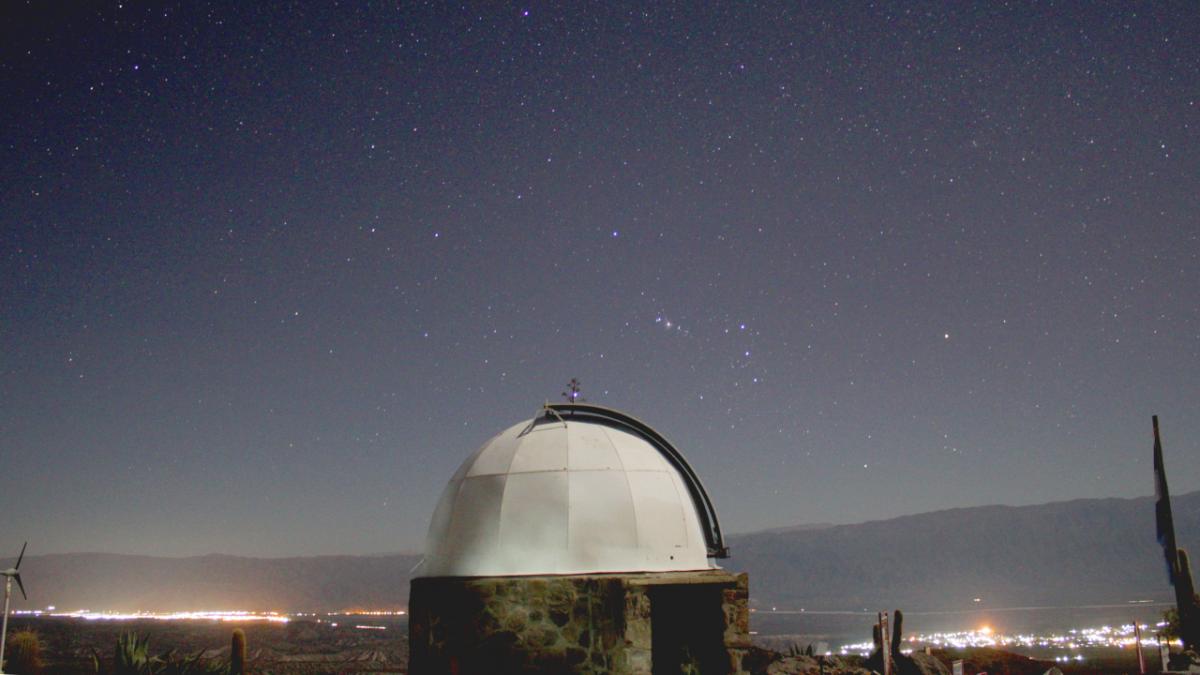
567, 463
637, 533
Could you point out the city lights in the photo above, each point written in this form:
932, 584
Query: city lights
1071, 644
157, 616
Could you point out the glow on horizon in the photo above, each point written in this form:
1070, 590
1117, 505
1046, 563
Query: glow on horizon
208, 615
216, 615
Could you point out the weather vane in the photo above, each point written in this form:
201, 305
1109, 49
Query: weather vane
572, 394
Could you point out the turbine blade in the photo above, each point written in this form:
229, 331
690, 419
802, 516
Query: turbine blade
21, 586
18, 565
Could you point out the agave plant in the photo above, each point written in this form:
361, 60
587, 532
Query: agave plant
132, 657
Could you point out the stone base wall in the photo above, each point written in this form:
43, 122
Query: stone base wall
601, 623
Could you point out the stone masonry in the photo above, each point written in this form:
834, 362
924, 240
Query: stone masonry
595, 623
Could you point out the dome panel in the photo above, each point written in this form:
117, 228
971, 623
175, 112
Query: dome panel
606, 519
590, 451
463, 468
681, 490
534, 512
542, 448
497, 459
475, 525
661, 519
633, 453
441, 520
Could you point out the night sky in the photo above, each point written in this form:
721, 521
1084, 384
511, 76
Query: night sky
269, 273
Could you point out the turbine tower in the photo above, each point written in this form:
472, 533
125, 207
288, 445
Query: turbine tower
10, 574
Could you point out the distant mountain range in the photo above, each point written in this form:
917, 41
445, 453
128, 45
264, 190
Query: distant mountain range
1065, 553
105, 581
1087, 551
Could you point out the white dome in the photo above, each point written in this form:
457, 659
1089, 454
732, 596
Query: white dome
565, 496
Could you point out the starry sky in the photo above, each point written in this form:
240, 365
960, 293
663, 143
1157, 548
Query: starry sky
269, 272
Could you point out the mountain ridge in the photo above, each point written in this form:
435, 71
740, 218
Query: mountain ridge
978, 507
1061, 553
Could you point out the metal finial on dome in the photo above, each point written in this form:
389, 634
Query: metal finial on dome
572, 394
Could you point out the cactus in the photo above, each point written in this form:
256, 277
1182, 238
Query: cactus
1185, 574
893, 660
796, 650
1189, 604
237, 653
1179, 569
897, 632
24, 653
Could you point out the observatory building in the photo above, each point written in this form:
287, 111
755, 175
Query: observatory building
580, 541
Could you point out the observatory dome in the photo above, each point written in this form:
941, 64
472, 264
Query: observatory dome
579, 489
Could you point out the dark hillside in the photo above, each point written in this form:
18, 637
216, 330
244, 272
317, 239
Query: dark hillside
1077, 552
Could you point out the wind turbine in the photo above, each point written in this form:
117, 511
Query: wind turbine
10, 574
